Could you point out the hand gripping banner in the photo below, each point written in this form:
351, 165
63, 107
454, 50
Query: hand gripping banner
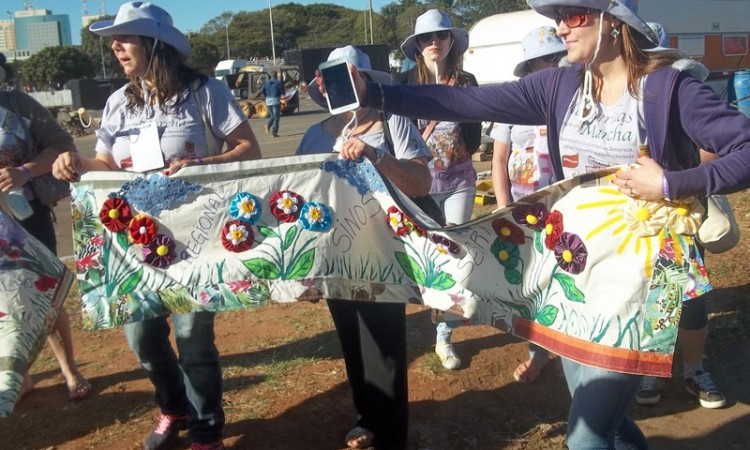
577, 267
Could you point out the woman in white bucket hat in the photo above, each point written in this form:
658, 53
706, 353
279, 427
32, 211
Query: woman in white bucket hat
373, 334
437, 47
661, 113
191, 117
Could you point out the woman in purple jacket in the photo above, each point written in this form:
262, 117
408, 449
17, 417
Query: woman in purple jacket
613, 100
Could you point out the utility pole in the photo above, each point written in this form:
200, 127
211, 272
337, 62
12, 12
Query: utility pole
273, 45
372, 41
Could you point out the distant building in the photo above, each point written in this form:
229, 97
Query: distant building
30, 31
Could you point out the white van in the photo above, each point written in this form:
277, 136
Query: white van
495, 44
229, 66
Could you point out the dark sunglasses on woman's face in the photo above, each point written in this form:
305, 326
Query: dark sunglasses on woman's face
573, 17
554, 57
437, 35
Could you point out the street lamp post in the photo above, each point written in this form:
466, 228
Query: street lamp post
273, 45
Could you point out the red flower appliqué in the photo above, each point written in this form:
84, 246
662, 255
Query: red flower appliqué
142, 229
553, 229
237, 236
45, 283
115, 214
508, 231
286, 205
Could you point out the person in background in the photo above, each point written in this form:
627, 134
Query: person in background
437, 49
373, 334
194, 114
520, 159
273, 90
28, 146
611, 77
694, 317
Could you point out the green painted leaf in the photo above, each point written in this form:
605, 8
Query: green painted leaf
291, 233
302, 265
547, 315
411, 268
513, 276
122, 240
569, 287
84, 286
262, 268
522, 310
443, 281
267, 232
130, 282
538, 241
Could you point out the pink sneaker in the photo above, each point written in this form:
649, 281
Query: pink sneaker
167, 430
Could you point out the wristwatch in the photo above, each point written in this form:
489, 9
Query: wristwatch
379, 155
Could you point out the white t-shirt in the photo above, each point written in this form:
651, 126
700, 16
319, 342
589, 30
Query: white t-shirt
181, 130
407, 141
528, 165
612, 137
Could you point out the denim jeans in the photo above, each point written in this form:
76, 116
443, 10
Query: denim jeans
273, 121
598, 413
188, 385
456, 205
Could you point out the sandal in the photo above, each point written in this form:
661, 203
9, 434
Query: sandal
448, 356
525, 373
80, 391
359, 437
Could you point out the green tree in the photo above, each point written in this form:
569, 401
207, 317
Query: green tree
99, 50
205, 54
53, 66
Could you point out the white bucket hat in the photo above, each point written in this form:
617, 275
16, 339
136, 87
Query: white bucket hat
540, 41
624, 10
358, 59
144, 19
430, 22
662, 34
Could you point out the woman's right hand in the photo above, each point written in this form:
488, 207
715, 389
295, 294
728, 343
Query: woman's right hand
67, 167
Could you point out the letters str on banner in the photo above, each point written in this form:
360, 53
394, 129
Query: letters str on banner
577, 267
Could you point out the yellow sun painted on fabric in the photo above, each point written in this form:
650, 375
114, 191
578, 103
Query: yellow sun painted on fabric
531, 219
113, 214
682, 211
642, 214
503, 255
247, 206
567, 256
162, 250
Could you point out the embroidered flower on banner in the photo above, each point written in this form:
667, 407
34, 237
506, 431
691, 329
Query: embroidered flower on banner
10, 248
142, 229
644, 218
508, 231
237, 236
571, 253
160, 252
115, 214
444, 245
286, 205
532, 216
396, 221
316, 216
553, 229
686, 217
245, 207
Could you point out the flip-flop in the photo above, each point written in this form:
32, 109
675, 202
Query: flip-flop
359, 437
81, 391
525, 374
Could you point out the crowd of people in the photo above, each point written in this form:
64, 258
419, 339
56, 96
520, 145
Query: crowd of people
419, 130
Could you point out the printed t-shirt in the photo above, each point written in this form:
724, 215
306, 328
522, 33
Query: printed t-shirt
451, 167
528, 165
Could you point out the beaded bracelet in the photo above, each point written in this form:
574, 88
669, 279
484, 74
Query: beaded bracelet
200, 161
25, 170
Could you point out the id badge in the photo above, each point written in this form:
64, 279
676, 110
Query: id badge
145, 148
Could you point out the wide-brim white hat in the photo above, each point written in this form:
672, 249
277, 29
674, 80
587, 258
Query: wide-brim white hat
624, 10
661, 34
358, 59
144, 19
540, 41
430, 22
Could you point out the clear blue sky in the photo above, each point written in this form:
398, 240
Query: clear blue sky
187, 14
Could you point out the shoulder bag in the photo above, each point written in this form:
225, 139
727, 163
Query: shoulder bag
719, 231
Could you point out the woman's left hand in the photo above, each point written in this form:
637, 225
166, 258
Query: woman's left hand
179, 164
642, 182
12, 177
354, 148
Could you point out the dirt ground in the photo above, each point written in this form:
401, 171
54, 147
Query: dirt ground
285, 384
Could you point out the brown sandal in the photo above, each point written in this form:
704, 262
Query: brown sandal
80, 391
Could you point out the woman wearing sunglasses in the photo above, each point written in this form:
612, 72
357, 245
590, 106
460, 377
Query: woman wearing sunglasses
437, 48
614, 99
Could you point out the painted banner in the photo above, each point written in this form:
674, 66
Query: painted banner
577, 267
33, 286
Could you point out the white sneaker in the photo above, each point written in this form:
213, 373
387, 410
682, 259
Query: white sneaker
448, 356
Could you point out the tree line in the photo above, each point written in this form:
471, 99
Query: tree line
247, 34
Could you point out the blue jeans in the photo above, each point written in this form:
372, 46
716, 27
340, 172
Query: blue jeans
598, 413
188, 385
273, 121
456, 205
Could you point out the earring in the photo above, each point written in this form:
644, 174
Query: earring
615, 33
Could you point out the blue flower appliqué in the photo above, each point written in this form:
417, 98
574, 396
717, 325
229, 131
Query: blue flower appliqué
316, 217
360, 174
245, 207
156, 193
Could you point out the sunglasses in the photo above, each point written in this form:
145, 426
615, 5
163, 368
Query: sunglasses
554, 57
426, 38
573, 17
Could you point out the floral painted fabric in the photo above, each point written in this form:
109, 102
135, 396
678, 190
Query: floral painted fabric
33, 286
577, 267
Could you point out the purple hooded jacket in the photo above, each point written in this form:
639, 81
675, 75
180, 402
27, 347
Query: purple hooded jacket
680, 111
